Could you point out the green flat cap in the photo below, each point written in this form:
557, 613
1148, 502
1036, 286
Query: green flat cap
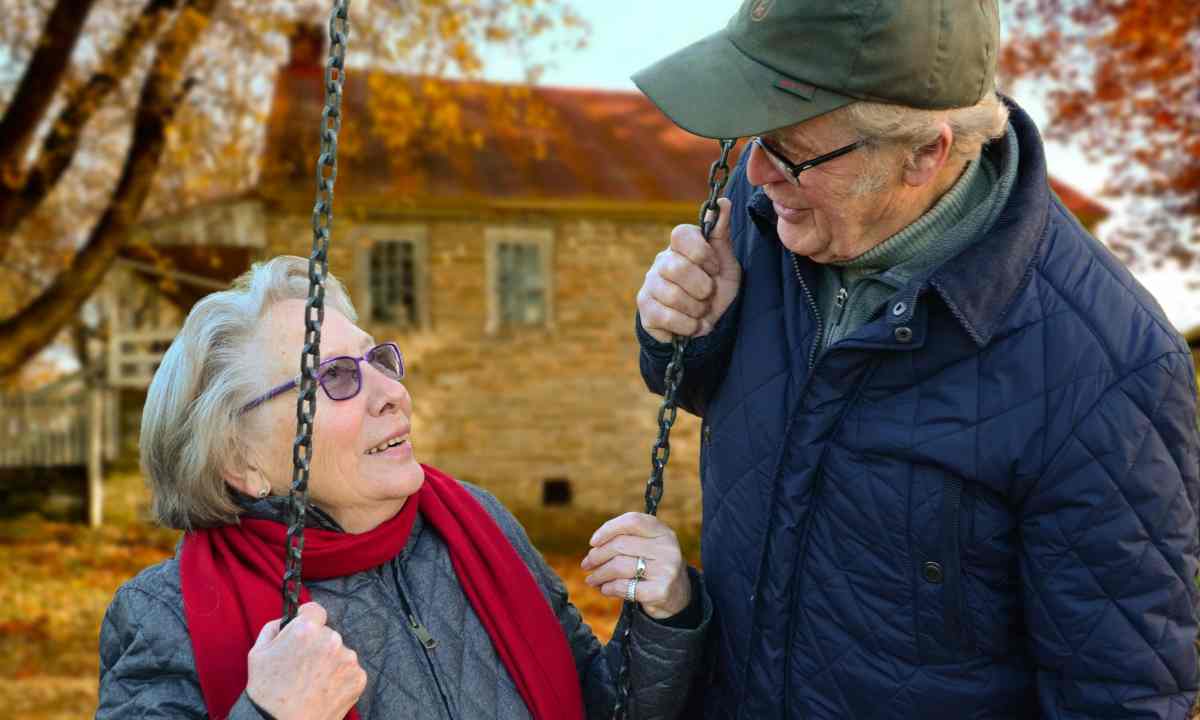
780, 62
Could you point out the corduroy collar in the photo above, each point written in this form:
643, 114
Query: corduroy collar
981, 283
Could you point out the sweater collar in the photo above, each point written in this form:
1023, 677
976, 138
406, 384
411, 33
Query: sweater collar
922, 237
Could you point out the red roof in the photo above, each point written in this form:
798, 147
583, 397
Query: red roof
605, 145
595, 145
1086, 209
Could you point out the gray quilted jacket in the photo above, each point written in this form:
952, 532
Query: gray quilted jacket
147, 669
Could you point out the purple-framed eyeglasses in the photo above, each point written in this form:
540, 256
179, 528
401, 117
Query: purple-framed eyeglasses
341, 377
792, 170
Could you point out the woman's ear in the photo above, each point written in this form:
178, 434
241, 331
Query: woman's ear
246, 478
927, 161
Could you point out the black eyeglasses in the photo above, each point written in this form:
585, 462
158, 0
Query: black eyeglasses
792, 170
341, 377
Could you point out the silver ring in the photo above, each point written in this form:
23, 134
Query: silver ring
640, 573
631, 590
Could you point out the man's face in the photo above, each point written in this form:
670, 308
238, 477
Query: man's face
829, 216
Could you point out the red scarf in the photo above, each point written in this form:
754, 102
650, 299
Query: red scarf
231, 587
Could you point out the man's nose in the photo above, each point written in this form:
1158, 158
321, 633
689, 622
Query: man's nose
760, 170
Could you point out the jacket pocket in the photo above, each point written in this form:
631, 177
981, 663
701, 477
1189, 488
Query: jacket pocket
954, 606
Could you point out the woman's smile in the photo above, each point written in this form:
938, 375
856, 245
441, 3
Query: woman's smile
397, 449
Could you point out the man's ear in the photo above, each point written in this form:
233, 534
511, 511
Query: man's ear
927, 161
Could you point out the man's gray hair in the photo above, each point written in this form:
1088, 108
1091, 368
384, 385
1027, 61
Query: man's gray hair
882, 124
192, 426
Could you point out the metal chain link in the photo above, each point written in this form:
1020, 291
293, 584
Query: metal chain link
710, 211
314, 308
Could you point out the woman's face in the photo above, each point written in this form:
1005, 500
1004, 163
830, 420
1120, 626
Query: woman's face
359, 486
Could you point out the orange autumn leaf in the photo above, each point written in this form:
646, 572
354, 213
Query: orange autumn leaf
1124, 84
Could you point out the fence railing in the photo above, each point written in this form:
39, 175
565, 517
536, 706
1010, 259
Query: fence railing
45, 428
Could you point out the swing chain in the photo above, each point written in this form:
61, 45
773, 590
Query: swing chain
710, 211
314, 308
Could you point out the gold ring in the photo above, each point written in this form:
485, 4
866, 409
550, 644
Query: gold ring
640, 573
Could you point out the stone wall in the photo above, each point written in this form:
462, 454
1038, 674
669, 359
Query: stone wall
513, 408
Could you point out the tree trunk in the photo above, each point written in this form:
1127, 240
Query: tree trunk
25, 334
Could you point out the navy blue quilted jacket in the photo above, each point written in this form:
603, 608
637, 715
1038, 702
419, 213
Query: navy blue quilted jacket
980, 505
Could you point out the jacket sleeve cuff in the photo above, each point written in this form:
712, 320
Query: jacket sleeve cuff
698, 348
683, 628
247, 709
653, 348
691, 616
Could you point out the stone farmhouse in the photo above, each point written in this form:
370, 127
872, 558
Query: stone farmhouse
506, 276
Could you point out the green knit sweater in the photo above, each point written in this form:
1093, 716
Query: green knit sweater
850, 294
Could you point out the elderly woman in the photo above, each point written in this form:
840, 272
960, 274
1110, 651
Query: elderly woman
427, 599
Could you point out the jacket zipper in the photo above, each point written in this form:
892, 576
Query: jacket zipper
812, 354
428, 642
839, 302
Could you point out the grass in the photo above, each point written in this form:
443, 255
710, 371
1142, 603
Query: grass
60, 577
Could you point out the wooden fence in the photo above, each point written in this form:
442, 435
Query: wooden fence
45, 428
64, 424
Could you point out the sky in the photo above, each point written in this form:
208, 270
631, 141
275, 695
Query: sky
628, 35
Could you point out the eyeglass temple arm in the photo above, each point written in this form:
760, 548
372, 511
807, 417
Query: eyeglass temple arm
273, 393
829, 156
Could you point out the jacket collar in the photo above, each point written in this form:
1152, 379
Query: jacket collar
980, 283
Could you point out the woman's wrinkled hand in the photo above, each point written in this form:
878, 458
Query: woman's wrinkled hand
665, 590
304, 670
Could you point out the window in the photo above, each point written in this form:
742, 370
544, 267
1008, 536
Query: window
393, 283
520, 286
392, 273
519, 293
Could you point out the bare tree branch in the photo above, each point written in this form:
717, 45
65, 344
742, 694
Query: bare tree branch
42, 76
28, 332
65, 133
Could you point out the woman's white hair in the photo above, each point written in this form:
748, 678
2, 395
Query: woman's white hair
192, 426
883, 125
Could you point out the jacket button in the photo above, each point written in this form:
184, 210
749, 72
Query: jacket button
932, 572
903, 334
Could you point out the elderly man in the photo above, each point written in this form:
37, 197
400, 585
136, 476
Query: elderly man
949, 444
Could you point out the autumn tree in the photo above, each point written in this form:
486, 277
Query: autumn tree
114, 109
1124, 83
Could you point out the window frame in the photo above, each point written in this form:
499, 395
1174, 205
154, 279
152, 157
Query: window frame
542, 238
417, 235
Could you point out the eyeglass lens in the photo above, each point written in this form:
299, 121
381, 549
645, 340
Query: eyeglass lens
340, 377
777, 161
386, 359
